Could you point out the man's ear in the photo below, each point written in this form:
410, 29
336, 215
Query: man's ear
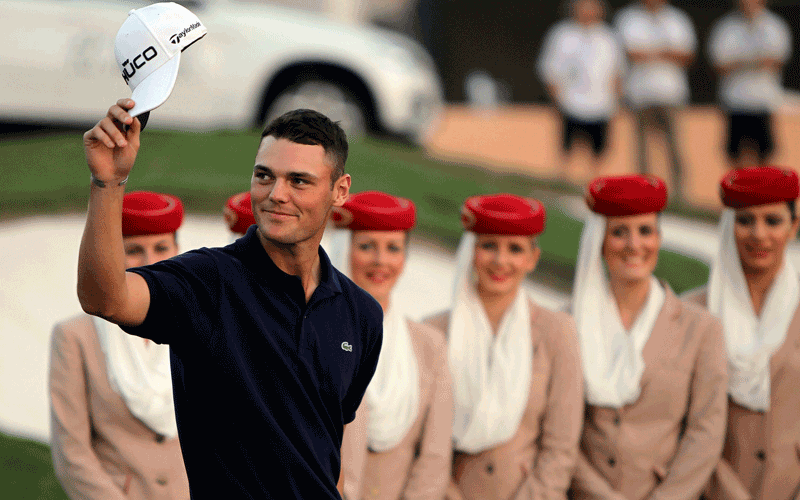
341, 190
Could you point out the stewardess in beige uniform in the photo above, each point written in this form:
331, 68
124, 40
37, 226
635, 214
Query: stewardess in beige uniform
408, 405
114, 434
654, 366
754, 290
515, 365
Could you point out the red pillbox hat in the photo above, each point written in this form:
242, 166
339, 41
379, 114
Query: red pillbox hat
503, 214
145, 212
239, 213
375, 211
753, 186
617, 196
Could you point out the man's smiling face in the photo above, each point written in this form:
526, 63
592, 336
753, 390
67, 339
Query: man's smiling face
292, 191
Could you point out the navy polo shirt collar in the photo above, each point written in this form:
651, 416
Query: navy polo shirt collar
258, 260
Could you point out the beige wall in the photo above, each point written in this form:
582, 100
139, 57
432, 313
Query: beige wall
527, 139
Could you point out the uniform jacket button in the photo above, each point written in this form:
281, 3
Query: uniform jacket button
162, 480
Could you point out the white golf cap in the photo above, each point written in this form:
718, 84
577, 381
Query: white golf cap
148, 51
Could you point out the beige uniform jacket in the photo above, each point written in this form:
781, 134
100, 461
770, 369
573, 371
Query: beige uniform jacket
418, 468
100, 450
538, 461
761, 458
666, 444
354, 453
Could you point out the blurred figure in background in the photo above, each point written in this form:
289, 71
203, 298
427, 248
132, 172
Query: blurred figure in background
654, 366
515, 365
409, 399
581, 64
754, 289
482, 91
749, 48
238, 213
660, 42
114, 434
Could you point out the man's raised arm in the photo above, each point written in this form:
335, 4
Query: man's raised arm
105, 289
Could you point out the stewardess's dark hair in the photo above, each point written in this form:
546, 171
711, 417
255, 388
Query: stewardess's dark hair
306, 126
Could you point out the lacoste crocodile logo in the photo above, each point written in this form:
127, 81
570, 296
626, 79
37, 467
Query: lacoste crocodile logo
347, 347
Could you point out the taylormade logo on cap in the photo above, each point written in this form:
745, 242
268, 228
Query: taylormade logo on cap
176, 38
148, 51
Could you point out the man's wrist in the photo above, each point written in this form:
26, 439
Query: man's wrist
101, 183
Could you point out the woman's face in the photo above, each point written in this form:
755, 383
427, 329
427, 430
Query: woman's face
631, 246
752, 7
588, 12
148, 249
761, 235
376, 261
502, 262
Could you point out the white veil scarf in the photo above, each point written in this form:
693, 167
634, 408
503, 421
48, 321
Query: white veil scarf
491, 374
613, 364
393, 394
751, 340
141, 374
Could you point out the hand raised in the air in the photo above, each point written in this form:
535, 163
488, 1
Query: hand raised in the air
111, 145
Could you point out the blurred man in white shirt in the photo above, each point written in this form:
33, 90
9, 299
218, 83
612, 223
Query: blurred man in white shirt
749, 48
581, 64
660, 42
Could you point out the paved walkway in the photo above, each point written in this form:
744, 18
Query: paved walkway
37, 289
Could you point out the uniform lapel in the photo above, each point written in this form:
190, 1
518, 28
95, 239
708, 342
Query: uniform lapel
660, 347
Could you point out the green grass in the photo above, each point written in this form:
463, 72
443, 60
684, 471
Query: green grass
26, 471
47, 174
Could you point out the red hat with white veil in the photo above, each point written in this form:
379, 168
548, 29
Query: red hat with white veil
612, 380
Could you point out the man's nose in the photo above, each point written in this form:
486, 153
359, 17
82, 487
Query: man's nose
279, 192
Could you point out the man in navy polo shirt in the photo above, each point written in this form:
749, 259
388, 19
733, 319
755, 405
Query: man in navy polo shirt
271, 347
